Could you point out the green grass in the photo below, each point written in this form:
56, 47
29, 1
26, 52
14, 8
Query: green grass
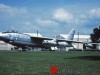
38, 63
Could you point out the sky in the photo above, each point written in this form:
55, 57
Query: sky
50, 17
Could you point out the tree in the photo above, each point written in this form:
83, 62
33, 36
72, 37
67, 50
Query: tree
95, 36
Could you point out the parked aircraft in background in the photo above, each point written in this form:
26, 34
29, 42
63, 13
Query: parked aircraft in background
25, 41
61, 42
89, 45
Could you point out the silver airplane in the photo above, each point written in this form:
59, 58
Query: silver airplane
61, 42
24, 41
89, 45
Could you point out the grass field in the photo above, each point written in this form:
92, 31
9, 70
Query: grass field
38, 63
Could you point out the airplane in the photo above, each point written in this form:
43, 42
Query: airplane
89, 45
25, 41
61, 42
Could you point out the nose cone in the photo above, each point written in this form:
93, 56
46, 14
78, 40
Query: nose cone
3, 36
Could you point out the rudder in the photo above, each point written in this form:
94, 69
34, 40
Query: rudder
71, 35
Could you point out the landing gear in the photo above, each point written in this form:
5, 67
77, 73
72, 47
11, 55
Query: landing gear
19, 48
24, 49
84, 46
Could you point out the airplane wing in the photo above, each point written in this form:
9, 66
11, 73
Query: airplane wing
70, 41
41, 38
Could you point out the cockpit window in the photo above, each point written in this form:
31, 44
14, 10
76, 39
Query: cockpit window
13, 31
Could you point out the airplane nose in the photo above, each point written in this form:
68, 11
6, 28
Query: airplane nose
3, 36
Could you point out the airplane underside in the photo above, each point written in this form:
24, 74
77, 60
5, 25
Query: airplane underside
25, 45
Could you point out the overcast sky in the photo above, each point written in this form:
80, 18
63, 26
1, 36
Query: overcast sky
50, 17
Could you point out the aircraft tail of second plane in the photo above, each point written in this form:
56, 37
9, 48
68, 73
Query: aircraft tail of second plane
71, 35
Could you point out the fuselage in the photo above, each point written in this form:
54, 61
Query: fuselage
17, 39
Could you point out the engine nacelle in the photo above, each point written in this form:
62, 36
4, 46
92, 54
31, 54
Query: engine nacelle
52, 43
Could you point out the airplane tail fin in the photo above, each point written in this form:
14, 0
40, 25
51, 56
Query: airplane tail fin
71, 35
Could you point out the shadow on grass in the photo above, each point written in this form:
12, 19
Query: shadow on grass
95, 58
42, 73
46, 73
